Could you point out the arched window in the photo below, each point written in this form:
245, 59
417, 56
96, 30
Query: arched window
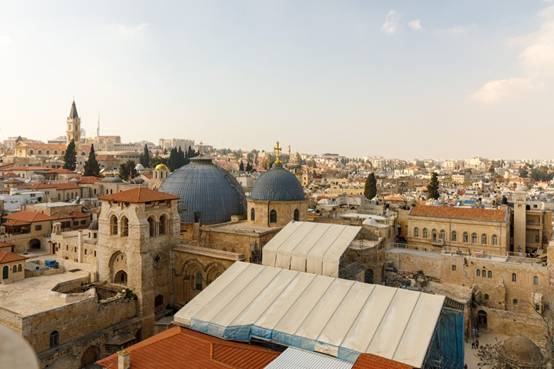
535, 280
252, 214
489, 274
124, 226
484, 273
514, 277
198, 283
478, 272
19, 268
14, 269
416, 232
296, 216
466, 237
425, 233
54, 339
151, 227
494, 239
113, 225
163, 224
442, 235
474, 238
434, 234
273, 216
484, 239
453, 236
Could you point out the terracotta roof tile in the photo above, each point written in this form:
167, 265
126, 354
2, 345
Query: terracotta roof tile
491, 215
368, 361
29, 216
89, 180
10, 257
138, 195
181, 348
57, 186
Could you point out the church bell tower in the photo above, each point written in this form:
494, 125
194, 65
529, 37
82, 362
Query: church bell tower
73, 125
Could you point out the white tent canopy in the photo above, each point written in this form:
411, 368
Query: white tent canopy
309, 247
316, 313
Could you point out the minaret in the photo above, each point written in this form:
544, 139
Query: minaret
73, 125
98, 127
277, 149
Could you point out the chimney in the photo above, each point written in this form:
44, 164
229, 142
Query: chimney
123, 360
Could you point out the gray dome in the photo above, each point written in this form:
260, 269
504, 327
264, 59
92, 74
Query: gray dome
207, 190
111, 180
277, 184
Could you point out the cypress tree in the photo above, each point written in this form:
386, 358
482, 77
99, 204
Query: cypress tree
127, 170
92, 168
172, 162
370, 189
145, 157
249, 167
433, 187
70, 157
241, 166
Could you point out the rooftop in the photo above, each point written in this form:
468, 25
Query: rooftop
10, 257
491, 215
181, 348
139, 195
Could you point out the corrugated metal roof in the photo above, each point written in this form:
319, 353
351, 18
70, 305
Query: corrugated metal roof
340, 317
293, 358
309, 247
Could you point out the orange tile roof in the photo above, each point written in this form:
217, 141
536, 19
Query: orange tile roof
368, 361
181, 348
491, 215
10, 257
138, 195
6, 244
57, 186
88, 180
29, 216
24, 169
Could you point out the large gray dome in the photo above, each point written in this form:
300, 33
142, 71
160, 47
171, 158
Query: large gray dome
277, 184
207, 190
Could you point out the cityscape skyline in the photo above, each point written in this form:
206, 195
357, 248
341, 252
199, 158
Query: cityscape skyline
471, 78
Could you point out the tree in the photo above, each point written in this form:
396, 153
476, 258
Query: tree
92, 168
127, 170
524, 172
70, 157
504, 200
145, 157
370, 190
172, 161
433, 187
249, 167
241, 166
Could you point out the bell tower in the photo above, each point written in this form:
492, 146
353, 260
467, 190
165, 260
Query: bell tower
73, 125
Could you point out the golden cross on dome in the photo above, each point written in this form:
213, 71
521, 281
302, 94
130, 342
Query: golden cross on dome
277, 149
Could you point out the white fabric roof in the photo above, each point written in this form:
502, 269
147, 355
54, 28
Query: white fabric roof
293, 358
309, 247
315, 312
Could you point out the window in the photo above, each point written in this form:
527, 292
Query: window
113, 225
453, 236
198, 281
535, 280
124, 226
151, 227
416, 232
38, 227
425, 233
273, 216
489, 274
14, 269
54, 339
494, 239
434, 234
453, 267
514, 301
466, 237
296, 215
486, 296
483, 239
442, 235
252, 214
19, 268
474, 238
478, 272
163, 224
514, 277
484, 273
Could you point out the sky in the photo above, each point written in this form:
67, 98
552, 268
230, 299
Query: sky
399, 79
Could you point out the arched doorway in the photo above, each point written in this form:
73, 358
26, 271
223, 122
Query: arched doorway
90, 356
120, 277
368, 276
34, 244
482, 319
159, 304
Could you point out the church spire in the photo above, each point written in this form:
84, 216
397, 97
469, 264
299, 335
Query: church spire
277, 149
73, 113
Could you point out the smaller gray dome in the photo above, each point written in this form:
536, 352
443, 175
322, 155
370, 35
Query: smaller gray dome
112, 180
277, 184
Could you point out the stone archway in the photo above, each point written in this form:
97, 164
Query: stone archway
482, 319
213, 271
118, 268
120, 277
90, 356
35, 244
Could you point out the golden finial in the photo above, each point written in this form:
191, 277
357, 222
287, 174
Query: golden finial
277, 149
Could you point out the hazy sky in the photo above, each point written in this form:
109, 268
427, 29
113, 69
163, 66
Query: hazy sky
405, 79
